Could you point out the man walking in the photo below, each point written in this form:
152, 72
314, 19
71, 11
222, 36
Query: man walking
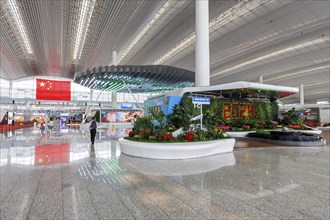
92, 128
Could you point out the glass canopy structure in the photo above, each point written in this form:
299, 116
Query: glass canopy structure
137, 78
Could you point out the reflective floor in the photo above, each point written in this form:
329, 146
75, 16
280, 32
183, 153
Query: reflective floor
59, 176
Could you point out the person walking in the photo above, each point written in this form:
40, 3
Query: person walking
133, 120
92, 128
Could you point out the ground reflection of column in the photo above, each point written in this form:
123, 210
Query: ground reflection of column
92, 157
184, 167
9, 153
113, 149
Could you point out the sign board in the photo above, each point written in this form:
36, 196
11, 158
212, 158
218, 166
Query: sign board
126, 105
201, 100
164, 103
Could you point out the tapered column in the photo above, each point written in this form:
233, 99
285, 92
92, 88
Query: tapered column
260, 79
114, 58
114, 99
113, 94
301, 92
202, 52
11, 89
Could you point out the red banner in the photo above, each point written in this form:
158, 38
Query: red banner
53, 89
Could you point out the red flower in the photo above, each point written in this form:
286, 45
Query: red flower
189, 137
149, 131
168, 137
142, 131
247, 126
131, 134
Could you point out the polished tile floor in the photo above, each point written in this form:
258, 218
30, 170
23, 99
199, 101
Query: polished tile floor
59, 176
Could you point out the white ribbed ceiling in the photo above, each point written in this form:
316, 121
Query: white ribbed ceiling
286, 42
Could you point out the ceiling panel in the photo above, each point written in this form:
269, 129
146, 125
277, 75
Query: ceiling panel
286, 42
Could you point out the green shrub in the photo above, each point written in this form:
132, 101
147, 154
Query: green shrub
159, 117
142, 123
181, 116
238, 123
211, 119
292, 117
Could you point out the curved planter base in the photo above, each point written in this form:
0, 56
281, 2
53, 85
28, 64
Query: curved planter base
289, 138
239, 133
291, 143
246, 133
176, 150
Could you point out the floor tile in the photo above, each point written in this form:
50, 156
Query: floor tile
71, 180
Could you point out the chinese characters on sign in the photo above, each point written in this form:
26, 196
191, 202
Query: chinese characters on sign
238, 110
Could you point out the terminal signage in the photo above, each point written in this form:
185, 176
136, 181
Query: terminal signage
201, 100
126, 105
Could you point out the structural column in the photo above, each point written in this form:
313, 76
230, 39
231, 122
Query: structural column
114, 99
114, 58
260, 79
91, 95
113, 94
202, 52
11, 89
301, 92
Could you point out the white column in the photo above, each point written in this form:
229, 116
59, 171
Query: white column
202, 53
114, 58
114, 99
301, 92
91, 95
113, 94
11, 89
260, 79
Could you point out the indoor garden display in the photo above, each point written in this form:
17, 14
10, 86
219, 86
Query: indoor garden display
156, 129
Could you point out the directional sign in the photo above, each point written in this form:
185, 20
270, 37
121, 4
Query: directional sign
126, 105
201, 100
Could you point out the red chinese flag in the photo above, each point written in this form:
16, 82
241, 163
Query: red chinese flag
53, 89
52, 154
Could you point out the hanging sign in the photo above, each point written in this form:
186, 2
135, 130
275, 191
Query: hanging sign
201, 100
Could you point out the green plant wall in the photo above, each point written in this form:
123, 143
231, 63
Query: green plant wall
262, 113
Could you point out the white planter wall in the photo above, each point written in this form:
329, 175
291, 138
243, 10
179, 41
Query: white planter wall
176, 150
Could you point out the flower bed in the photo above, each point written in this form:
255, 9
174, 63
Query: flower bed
176, 150
150, 139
